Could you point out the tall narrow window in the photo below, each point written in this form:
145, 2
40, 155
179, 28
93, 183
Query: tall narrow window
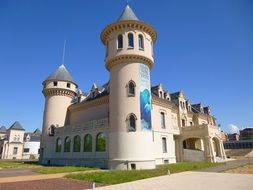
77, 144
132, 123
130, 40
101, 142
67, 144
183, 122
107, 44
164, 144
120, 41
141, 42
58, 145
87, 143
162, 120
131, 89
15, 150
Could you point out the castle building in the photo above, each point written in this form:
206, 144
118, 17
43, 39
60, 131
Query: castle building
126, 123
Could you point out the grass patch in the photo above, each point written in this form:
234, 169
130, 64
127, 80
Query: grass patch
117, 176
62, 169
13, 164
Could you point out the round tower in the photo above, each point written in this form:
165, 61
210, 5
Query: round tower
129, 58
59, 89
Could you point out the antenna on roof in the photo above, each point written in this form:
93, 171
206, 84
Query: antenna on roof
63, 53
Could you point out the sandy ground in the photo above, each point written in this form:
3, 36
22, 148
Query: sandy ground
247, 169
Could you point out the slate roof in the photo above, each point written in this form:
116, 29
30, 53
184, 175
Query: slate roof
127, 14
62, 74
3, 129
16, 126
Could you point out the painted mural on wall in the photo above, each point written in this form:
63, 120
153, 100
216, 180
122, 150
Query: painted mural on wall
145, 98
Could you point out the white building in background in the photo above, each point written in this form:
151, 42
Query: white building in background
16, 144
125, 123
32, 145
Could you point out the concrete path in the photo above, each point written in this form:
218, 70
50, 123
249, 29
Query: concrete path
190, 181
16, 172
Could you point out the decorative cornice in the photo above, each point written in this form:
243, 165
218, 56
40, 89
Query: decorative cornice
88, 104
132, 24
58, 92
129, 58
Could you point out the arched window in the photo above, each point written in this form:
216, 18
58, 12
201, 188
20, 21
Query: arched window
131, 88
67, 142
87, 144
51, 130
100, 142
58, 145
120, 41
77, 144
130, 40
132, 122
141, 42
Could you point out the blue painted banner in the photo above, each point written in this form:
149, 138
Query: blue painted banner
145, 97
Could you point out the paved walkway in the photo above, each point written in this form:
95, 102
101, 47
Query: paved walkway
190, 181
228, 165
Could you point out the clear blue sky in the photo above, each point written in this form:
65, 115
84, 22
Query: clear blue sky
204, 47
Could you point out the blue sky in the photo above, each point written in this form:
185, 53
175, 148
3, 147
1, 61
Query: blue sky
204, 47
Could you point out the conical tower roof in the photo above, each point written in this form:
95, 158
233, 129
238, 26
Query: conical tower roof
61, 74
127, 14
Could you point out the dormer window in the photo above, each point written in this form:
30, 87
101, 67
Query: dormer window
130, 41
55, 83
120, 41
68, 85
161, 94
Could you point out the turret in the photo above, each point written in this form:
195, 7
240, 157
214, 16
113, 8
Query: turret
59, 90
129, 58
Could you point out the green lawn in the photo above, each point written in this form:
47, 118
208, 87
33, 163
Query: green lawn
18, 164
62, 169
115, 177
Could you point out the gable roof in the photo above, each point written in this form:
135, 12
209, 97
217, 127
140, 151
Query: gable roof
16, 126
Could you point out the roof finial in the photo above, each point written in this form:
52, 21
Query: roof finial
63, 53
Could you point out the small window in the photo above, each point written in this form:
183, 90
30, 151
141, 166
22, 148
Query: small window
15, 150
120, 41
163, 120
131, 89
141, 42
133, 166
55, 83
107, 44
132, 123
191, 123
68, 85
26, 150
164, 144
51, 130
130, 40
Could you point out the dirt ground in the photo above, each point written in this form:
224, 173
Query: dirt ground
247, 169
